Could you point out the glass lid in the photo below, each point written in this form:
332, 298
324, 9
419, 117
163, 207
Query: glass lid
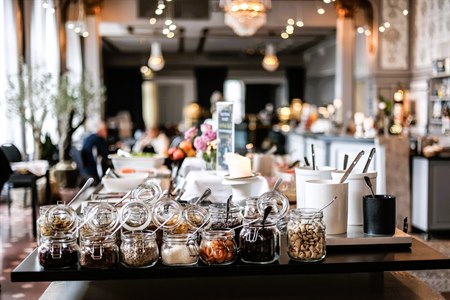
168, 212
61, 217
196, 216
135, 215
148, 192
278, 201
102, 217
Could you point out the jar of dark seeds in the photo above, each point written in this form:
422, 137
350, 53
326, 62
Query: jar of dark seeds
306, 235
139, 249
58, 252
259, 244
98, 252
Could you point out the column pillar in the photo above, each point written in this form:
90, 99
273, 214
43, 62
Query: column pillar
92, 55
345, 44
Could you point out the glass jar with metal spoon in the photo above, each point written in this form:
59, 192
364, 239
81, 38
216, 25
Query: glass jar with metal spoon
277, 200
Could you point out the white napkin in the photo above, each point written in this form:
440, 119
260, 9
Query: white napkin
198, 181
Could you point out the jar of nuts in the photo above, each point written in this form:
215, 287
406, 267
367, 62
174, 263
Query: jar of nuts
43, 231
98, 252
139, 249
218, 247
306, 235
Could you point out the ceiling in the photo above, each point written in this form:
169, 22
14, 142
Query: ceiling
202, 36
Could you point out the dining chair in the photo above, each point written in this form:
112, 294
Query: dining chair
22, 180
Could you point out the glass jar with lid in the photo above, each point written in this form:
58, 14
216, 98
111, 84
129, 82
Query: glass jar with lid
194, 217
258, 243
218, 247
278, 201
149, 192
221, 219
98, 252
43, 231
306, 235
139, 249
251, 209
102, 218
58, 252
135, 215
167, 213
179, 249
60, 218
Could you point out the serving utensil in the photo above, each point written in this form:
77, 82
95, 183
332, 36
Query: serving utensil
313, 157
345, 161
86, 185
353, 164
306, 161
369, 184
369, 159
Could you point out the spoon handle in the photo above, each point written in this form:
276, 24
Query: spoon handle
313, 153
352, 165
345, 161
277, 184
306, 161
369, 159
88, 183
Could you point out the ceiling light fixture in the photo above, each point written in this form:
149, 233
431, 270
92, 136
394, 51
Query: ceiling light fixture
156, 61
270, 62
245, 17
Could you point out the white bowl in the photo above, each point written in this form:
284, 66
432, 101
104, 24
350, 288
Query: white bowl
137, 163
124, 184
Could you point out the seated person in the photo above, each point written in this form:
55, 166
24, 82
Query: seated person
94, 147
154, 140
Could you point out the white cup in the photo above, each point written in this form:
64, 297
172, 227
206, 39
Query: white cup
357, 188
319, 193
303, 174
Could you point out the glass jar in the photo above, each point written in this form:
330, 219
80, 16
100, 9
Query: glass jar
58, 252
148, 192
260, 244
60, 218
98, 252
221, 220
218, 247
278, 201
43, 231
179, 249
306, 235
251, 209
167, 213
139, 249
135, 215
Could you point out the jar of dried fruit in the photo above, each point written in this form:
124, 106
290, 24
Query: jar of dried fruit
218, 247
306, 235
139, 249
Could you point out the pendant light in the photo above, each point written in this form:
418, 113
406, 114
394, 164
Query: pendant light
156, 61
270, 62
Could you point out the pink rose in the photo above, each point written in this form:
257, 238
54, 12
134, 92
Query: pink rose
199, 144
205, 127
209, 135
190, 133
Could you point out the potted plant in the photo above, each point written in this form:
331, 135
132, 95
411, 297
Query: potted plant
28, 97
70, 107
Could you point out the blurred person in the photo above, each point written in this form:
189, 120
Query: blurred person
95, 151
154, 140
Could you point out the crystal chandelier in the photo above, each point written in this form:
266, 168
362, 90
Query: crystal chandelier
245, 17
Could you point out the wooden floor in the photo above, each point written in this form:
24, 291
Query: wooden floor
16, 242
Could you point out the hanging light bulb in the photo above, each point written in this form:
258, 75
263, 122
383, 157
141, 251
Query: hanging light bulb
156, 61
270, 62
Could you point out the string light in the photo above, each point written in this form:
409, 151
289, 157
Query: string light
367, 32
320, 11
152, 21
381, 29
405, 12
387, 24
284, 35
300, 23
290, 21
360, 30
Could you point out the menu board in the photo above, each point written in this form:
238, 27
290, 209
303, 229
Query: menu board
225, 132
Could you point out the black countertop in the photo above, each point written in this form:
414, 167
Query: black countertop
417, 257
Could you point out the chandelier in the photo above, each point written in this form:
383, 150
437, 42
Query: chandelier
245, 17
